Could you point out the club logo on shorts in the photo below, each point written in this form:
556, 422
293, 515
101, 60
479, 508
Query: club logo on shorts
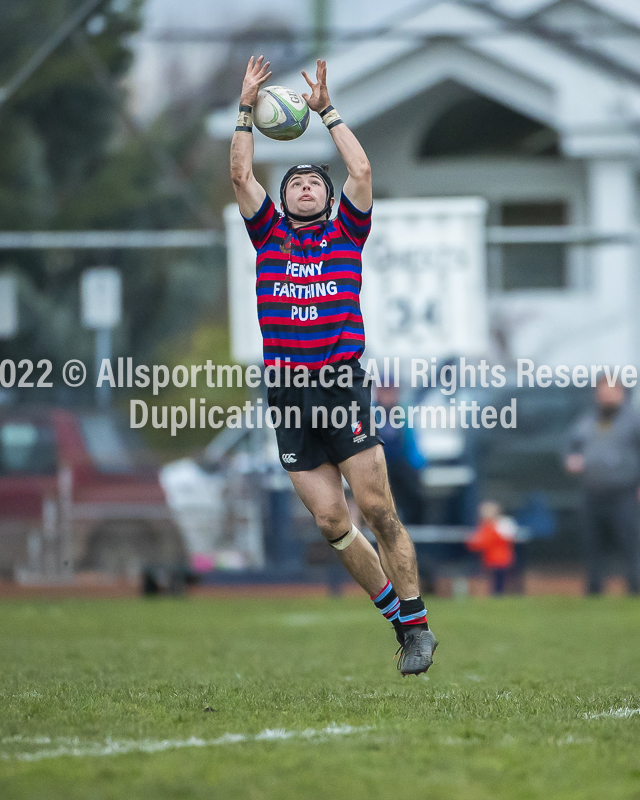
356, 427
289, 458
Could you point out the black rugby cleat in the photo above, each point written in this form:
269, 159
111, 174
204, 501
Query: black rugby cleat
416, 652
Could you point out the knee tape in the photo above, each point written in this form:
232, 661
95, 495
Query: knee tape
345, 540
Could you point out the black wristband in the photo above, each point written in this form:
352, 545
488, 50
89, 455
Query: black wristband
245, 128
326, 111
244, 107
334, 123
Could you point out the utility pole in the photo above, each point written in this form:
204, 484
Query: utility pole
101, 296
8, 305
320, 28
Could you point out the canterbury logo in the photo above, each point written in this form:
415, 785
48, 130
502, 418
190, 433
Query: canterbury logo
289, 458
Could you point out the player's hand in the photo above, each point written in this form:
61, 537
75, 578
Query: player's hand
257, 73
318, 100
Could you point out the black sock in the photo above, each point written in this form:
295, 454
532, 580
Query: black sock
413, 612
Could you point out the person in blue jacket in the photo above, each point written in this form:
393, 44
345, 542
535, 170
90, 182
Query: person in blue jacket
404, 462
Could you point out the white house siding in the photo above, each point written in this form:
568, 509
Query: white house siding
581, 324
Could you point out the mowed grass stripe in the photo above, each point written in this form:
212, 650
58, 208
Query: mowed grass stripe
529, 697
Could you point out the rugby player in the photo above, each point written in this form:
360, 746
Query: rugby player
308, 284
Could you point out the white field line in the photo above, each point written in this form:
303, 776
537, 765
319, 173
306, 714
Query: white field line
112, 747
615, 713
573, 740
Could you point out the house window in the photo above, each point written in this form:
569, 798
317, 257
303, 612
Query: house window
478, 126
532, 266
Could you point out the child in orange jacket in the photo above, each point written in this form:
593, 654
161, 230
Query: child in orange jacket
493, 539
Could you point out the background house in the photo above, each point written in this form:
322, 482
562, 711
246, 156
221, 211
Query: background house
532, 105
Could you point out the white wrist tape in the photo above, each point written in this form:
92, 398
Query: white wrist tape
345, 541
245, 119
330, 117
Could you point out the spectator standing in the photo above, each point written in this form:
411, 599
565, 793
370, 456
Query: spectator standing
604, 450
493, 539
404, 462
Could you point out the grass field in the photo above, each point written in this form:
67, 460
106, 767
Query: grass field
528, 698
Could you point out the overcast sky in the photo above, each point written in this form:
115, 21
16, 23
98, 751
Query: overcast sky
194, 61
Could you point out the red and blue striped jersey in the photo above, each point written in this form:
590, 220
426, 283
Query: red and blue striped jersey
308, 285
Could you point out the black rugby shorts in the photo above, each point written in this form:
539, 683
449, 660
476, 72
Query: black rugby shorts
312, 443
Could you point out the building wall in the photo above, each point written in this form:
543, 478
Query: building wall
590, 321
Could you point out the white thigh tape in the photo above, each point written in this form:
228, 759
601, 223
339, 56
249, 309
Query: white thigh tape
346, 540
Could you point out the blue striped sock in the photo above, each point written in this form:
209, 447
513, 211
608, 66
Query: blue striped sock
387, 602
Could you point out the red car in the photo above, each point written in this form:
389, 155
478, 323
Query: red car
77, 492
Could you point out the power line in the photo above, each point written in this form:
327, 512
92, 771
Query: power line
161, 156
573, 42
45, 49
287, 36
564, 41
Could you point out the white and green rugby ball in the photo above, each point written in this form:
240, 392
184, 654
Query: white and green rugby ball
280, 113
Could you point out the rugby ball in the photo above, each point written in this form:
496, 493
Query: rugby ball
280, 113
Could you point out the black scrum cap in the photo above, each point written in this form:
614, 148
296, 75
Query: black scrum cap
322, 170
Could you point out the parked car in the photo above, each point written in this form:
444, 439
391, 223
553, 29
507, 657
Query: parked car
78, 491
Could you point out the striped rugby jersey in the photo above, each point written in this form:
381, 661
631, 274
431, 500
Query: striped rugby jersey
308, 285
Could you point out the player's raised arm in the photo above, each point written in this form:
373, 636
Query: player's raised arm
249, 194
358, 185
